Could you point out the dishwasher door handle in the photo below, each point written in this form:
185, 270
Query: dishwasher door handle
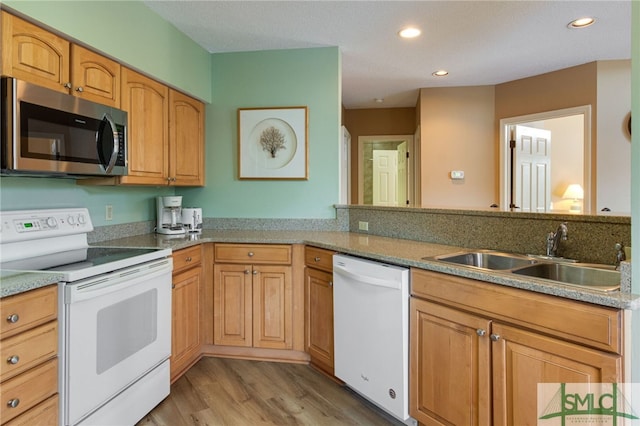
365, 279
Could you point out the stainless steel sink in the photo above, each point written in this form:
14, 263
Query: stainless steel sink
487, 259
595, 277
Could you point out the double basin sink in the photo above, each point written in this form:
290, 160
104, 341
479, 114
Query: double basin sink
585, 275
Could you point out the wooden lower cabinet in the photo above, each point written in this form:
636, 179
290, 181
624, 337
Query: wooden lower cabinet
318, 279
253, 306
29, 349
186, 295
470, 365
522, 359
450, 381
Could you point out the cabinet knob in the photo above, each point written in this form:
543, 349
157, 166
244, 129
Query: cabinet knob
13, 318
494, 337
173, 286
250, 254
79, 89
67, 85
316, 259
13, 360
255, 272
246, 271
330, 283
13, 403
481, 332
188, 259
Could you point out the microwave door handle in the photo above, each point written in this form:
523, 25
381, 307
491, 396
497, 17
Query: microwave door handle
116, 143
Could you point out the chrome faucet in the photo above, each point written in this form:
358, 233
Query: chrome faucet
553, 239
620, 256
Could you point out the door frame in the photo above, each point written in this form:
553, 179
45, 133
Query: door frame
363, 140
505, 160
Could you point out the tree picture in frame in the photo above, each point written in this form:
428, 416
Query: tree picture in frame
272, 143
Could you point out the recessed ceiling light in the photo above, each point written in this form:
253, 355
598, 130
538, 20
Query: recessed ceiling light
581, 23
440, 73
379, 100
409, 32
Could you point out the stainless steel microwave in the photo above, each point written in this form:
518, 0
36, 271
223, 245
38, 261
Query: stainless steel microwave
45, 132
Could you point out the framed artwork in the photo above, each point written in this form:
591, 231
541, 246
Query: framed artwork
272, 143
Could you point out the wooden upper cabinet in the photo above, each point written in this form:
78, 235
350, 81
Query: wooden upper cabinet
33, 54
147, 103
95, 77
186, 140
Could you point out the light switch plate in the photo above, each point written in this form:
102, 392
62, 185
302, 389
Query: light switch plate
457, 174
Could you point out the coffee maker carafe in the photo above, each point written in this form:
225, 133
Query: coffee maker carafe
169, 215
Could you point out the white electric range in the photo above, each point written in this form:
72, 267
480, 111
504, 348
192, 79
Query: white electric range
114, 314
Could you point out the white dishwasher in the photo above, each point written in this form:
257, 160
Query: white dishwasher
371, 331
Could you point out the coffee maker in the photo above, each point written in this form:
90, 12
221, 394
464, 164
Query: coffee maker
169, 215
192, 219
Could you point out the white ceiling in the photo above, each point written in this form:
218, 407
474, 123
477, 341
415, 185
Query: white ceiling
478, 42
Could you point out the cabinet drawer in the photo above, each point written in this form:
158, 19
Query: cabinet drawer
253, 253
28, 349
186, 258
596, 326
26, 310
28, 389
319, 258
45, 413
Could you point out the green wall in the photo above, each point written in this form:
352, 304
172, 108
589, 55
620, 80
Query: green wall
297, 77
635, 184
308, 77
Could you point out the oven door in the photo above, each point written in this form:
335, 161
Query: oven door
117, 328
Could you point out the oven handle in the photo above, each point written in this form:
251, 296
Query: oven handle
116, 281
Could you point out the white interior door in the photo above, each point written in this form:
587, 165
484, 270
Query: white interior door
402, 174
532, 169
385, 178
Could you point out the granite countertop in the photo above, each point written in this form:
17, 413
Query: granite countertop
391, 250
15, 282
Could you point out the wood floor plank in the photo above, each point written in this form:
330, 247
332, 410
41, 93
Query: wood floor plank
221, 392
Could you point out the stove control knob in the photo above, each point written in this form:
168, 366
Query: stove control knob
82, 219
51, 222
71, 220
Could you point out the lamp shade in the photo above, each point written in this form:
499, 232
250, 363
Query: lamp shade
574, 192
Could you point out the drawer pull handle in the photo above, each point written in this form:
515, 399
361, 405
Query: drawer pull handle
13, 318
188, 259
317, 259
250, 254
13, 403
13, 360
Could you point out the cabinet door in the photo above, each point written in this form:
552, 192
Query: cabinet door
272, 307
522, 359
185, 330
319, 318
450, 366
95, 77
186, 140
32, 54
232, 305
147, 103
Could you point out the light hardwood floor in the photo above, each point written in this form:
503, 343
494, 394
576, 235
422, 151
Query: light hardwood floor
219, 391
